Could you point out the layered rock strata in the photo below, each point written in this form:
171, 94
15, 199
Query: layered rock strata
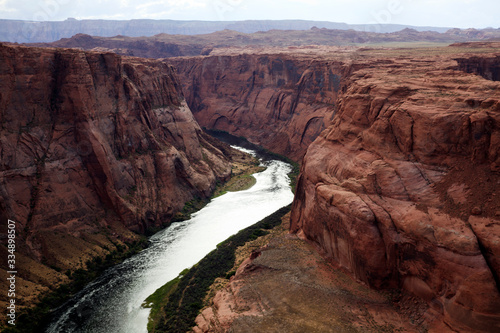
93, 147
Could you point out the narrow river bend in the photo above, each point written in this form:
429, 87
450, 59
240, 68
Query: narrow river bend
113, 302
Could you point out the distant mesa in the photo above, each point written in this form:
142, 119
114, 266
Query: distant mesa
164, 45
50, 31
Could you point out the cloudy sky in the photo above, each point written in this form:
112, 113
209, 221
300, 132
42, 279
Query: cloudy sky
441, 13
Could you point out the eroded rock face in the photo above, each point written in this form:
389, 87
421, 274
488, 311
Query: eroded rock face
279, 101
94, 146
402, 189
487, 67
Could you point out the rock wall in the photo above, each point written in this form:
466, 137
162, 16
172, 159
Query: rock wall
93, 146
279, 101
402, 189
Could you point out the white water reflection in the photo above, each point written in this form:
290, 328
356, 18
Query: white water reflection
113, 302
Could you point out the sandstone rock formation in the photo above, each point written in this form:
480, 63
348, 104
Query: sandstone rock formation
402, 189
92, 147
160, 46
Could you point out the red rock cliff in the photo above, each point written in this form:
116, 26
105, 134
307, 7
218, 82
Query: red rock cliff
279, 101
402, 189
93, 145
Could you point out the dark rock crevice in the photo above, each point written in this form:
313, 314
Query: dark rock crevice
488, 256
487, 67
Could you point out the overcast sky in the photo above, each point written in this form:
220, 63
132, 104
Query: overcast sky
440, 13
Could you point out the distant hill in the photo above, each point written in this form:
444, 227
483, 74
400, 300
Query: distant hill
16, 31
167, 45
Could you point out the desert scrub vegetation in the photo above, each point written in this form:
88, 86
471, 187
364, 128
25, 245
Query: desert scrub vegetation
159, 298
189, 208
185, 296
238, 183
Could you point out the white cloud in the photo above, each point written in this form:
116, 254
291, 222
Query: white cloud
460, 13
185, 4
5, 7
307, 2
149, 4
168, 8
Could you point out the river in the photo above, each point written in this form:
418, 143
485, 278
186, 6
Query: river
112, 303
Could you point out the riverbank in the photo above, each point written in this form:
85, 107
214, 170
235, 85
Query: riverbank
261, 152
265, 279
69, 282
175, 306
242, 178
37, 317
243, 167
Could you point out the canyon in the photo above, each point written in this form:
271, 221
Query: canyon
399, 152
